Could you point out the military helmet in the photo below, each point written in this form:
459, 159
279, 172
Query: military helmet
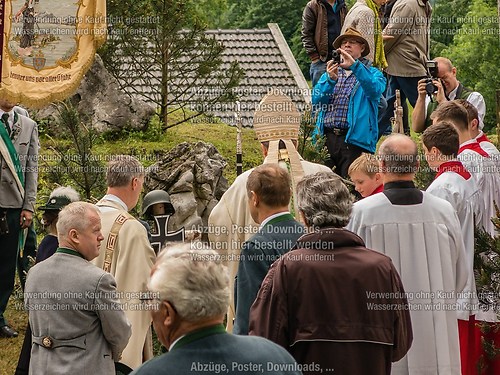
154, 197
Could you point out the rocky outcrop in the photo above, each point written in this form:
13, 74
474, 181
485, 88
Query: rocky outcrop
107, 108
192, 175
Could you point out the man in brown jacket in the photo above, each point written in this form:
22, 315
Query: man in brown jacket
322, 21
348, 306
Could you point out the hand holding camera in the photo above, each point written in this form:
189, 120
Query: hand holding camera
346, 59
332, 68
432, 87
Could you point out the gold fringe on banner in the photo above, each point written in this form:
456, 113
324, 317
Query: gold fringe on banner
48, 46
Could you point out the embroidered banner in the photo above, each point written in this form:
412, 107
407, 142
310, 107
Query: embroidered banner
48, 45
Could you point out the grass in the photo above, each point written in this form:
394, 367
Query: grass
10, 348
146, 146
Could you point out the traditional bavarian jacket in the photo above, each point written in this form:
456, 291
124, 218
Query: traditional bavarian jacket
132, 260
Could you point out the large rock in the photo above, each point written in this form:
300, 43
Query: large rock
100, 100
192, 175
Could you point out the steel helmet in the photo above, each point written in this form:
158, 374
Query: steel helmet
155, 197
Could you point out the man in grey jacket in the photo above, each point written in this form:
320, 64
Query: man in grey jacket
78, 324
18, 184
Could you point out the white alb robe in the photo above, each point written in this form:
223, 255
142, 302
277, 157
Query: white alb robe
457, 186
486, 172
487, 146
426, 246
230, 224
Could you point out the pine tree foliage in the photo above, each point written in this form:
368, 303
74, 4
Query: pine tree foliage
163, 44
487, 275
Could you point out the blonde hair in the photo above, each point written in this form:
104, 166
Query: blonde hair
366, 164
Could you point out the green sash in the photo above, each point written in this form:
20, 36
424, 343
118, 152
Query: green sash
11, 157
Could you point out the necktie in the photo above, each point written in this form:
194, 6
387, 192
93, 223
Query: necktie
5, 120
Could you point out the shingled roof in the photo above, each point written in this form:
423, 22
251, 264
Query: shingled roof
268, 63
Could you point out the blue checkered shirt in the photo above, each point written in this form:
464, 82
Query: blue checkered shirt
338, 106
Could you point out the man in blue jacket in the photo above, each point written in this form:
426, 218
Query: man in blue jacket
347, 96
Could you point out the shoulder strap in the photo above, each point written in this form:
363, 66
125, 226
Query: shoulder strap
112, 239
463, 92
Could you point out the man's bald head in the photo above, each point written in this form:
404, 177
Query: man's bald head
447, 73
444, 64
398, 155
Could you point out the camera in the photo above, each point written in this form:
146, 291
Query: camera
432, 71
336, 57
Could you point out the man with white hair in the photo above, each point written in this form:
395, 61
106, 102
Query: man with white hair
330, 301
421, 234
189, 291
127, 253
77, 322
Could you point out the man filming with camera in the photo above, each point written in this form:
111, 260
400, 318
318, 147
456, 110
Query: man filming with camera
446, 87
348, 94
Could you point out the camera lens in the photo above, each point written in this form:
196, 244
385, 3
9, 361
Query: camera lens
336, 57
430, 87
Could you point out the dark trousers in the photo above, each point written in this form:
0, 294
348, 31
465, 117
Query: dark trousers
408, 89
341, 154
8, 259
23, 364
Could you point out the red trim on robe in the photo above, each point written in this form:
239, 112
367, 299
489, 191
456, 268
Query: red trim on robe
453, 166
476, 147
483, 138
379, 189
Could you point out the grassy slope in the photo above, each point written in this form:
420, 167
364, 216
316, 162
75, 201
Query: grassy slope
146, 145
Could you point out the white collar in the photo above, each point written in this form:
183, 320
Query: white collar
175, 342
269, 218
470, 141
453, 93
114, 198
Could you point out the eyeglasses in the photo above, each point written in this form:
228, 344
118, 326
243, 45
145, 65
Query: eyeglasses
152, 302
350, 41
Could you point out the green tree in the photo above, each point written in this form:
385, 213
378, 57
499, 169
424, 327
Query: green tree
72, 159
258, 13
162, 43
487, 275
475, 52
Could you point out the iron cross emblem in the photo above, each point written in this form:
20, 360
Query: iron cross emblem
162, 236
